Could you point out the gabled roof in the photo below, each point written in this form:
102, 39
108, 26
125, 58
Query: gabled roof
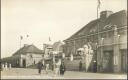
28, 49
118, 18
90, 24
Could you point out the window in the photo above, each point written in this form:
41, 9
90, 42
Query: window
110, 33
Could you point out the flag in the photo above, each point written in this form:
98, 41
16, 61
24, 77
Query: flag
99, 3
21, 37
49, 39
27, 35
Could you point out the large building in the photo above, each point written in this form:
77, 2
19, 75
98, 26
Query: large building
107, 36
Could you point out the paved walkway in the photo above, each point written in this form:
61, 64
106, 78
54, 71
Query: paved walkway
21, 73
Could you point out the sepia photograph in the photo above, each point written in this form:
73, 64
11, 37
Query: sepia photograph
63, 39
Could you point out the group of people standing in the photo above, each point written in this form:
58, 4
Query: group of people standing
5, 66
58, 67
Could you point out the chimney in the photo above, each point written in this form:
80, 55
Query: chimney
25, 45
105, 14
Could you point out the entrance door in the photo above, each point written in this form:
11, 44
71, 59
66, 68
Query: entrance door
124, 60
108, 61
24, 63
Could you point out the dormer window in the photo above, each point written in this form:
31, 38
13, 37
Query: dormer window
105, 14
92, 30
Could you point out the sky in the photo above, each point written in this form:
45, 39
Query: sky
41, 19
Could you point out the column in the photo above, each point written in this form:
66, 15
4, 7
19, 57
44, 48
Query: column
74, 47
98, 59
99, 63
21, 61
117, 56
10, 66
102, 54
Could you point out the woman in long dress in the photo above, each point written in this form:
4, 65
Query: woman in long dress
47, 68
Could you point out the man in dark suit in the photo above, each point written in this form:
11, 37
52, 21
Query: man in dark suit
62, 68
94, 66
40, 65
80, 66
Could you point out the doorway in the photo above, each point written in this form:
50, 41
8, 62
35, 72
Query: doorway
24, 63
108, 61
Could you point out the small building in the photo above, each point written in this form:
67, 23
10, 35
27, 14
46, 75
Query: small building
107, 36
26, 56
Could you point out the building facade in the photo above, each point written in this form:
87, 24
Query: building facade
107, 36
26, 56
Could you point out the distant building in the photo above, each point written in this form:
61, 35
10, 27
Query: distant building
108, 39
26, 56
58, 48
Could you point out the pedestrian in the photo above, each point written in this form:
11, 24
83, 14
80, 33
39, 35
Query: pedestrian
47, 68
40, 65
52, 66
94, 66
57, 67
80, 66
62, 68
6, 66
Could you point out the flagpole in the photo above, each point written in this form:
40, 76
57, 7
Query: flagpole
97, 34
19, 63
20, 41
27, 37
